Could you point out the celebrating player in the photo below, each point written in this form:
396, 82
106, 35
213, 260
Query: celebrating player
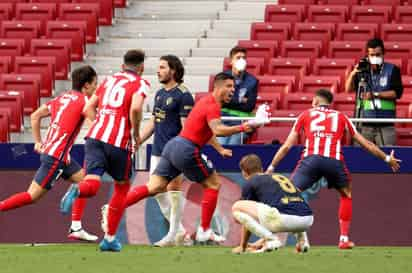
324, 129
270, 204
119, 100
66, 113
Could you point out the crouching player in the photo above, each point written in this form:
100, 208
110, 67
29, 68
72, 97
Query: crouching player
270, 204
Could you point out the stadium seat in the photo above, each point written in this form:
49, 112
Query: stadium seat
407, 84
409, 67
119, 3
396, 32
13, 5
284, 13
106, 10
297, 2
314, 32
339, 2
344, 102
272, 99
254, 66
27, 84
327, 14
403, 136
298, 101
276, 84
82, 11
347, 50
73, 30
402, 50
4, 126
285, 114
267, 135
36, 12
391, 3
5, 64
12, 102
404, 102
45, 66
270, 31
50, 1
301, 49
260, 49
58, 48
356, 32
11, 48
310, 84
403, 14
334, 67
6, 11
26, 30
297, 67
371, 14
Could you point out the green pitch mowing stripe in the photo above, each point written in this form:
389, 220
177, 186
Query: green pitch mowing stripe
85, 258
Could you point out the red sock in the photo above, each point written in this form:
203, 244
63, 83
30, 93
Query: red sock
117, 206
345, 215
89, 187
208, 206
16, 201
78, 208
136, 194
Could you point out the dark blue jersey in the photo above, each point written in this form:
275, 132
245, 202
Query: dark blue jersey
276, 191
169, 107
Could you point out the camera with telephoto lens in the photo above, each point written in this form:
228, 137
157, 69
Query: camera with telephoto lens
364, 65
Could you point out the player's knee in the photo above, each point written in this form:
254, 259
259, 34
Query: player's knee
212, 182
236, 207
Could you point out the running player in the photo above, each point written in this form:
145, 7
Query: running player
119, 100
182, 155
324, 129
66, 112
270, 204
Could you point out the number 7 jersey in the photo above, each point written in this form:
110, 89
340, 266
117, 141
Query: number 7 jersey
112, 124
324, 129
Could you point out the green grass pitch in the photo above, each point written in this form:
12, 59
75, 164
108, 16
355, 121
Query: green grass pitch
85, 258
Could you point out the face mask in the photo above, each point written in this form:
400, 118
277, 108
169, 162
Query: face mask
376, 60
240, 64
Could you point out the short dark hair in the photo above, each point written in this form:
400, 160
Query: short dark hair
236, 50
134, 57
325, 94
176, 65
222, 76
251, 164
374, 43
82, 75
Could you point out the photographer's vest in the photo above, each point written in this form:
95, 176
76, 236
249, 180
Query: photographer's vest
380, 82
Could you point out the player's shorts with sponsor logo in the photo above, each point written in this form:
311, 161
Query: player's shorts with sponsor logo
272, 219
51, 169
102, 157
180, 155
312, 168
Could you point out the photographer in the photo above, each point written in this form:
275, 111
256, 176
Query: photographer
378, 85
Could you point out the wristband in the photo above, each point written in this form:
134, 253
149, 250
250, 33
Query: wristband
241, 128
270, 168
387, 158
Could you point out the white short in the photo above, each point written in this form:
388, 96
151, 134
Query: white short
273, 220
154, 160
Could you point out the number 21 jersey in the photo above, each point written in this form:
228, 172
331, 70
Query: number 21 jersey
112, 124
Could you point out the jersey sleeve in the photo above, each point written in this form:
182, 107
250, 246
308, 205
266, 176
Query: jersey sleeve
213, 112
144, 88
349, 125
186, 104
299, 123
248, 192
50, 104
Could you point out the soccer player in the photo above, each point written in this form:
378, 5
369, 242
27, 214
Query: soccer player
182, 155
324, 129
116, 108
270, 204
66, 112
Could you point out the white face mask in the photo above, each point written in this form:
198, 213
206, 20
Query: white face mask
240, 64
376, 60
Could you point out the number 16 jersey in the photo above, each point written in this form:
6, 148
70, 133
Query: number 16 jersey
112, 124
324, 130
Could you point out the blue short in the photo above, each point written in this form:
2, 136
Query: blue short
312, 168
51, 169
182, 156
101, 157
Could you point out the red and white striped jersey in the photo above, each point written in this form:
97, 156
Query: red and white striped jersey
66, 113
324, 129
112, 124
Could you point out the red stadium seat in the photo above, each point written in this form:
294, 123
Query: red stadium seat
301, 49
396, 32
371, 14
11, 48
26, 30
254, 66
327, 14
402, 50
298, 101
297, 2
6, 11
119, 3
285, 114
409, 67
73, 30
260, 49
297, 67
58, 48
82, 11
403, 14
27, 84
270, 31
391, 3
404, 102
50, 1
356, 32
13, 5
284, 13
5, 64
106, 10
334, 67
407, 84
272, 99
45, 66
404, 136
346, 49
42, 12
310, 84
314, 32
4, 126
339, 2
266, 135
276, 84
344, 102
12, 102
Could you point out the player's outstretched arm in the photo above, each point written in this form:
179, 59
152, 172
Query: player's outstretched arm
147, 130
392, 161
219, 129
219, 148
283, 151
35, 119
90, 109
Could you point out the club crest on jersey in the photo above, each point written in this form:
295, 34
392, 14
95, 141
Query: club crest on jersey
383, 81
169, 101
